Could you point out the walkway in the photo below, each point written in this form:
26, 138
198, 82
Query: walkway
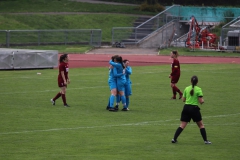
139, 57
103, 2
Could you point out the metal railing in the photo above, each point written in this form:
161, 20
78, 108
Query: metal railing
230, 35
205, 16
49, 37
134, 35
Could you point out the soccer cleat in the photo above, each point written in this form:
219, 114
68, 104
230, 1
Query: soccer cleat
66, 105
174, 141
107, 108
112, 110
125, 109
53, 102
116, 107
180, 96
173, 98
207, 142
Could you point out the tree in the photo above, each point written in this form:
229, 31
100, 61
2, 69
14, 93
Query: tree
151, 2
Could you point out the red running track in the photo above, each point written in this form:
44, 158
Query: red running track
101, 60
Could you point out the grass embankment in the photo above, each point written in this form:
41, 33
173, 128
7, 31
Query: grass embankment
105, 22
110, 16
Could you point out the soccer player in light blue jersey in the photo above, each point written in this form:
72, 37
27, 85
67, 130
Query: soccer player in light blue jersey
119, 73
112, 82
128, 84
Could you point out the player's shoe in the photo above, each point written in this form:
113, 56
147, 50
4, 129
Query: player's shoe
112, 109
66, 105
125, 109
53, 102
180, 96
107, 108
116, 107
207, 142
173, 98
174, 141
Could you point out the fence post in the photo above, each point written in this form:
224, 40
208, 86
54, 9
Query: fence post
91, 40
66, 34
221, 37
7, 38
112, 35
38, 37
100, 40
135, 35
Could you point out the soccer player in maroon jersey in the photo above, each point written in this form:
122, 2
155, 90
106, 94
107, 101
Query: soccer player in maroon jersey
175, 74
63, 79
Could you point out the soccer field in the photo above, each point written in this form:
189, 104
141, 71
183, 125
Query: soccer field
31, 128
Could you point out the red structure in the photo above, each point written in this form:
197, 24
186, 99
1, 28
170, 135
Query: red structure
199, 36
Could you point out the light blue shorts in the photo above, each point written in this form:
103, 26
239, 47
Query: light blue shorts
128, 89
112, 85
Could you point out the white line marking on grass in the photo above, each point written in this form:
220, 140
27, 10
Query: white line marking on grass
120, 125
54, 90
224, 115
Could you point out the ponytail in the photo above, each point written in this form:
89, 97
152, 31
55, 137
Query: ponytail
175, 53
194, 81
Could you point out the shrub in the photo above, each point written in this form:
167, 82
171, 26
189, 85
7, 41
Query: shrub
228, 16
151, 8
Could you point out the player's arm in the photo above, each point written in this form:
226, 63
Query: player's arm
63, 77
129, 70
115, 74
184, 96
183, 99
175, 70
68, 81
114, 64
200, 100
110, 67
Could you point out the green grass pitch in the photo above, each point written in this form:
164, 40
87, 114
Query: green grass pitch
32, 129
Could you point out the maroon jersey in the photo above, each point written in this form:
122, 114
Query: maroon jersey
62, 67
175, 68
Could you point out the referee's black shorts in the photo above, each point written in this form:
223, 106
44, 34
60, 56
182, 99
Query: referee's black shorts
191, 112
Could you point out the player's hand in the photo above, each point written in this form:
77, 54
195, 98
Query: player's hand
201, 100
124, 71
68, 81
169, 76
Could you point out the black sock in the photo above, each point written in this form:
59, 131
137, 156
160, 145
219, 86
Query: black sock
177, 133
203, 133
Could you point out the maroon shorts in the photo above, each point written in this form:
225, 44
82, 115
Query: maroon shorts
175, 79
61, 84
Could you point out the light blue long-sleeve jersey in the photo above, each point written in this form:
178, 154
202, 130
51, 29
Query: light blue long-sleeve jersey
118, 71
128, 72
111, 76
